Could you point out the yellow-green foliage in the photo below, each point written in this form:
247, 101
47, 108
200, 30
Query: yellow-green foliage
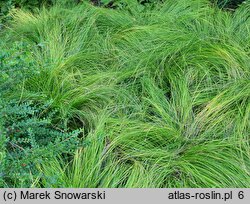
162, 93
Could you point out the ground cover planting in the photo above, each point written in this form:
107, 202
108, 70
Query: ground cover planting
125, 94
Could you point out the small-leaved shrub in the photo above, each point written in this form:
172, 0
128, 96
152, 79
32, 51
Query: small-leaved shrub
30, 136
16, 64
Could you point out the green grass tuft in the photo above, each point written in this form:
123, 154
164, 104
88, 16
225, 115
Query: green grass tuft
162, 93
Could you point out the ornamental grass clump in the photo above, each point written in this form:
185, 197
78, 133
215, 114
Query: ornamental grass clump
160, 93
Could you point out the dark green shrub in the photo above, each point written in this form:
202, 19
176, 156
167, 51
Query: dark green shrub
5, 6
29, 134
3, 142
16, 64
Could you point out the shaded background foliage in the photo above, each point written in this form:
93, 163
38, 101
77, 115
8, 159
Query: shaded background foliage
6, 5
